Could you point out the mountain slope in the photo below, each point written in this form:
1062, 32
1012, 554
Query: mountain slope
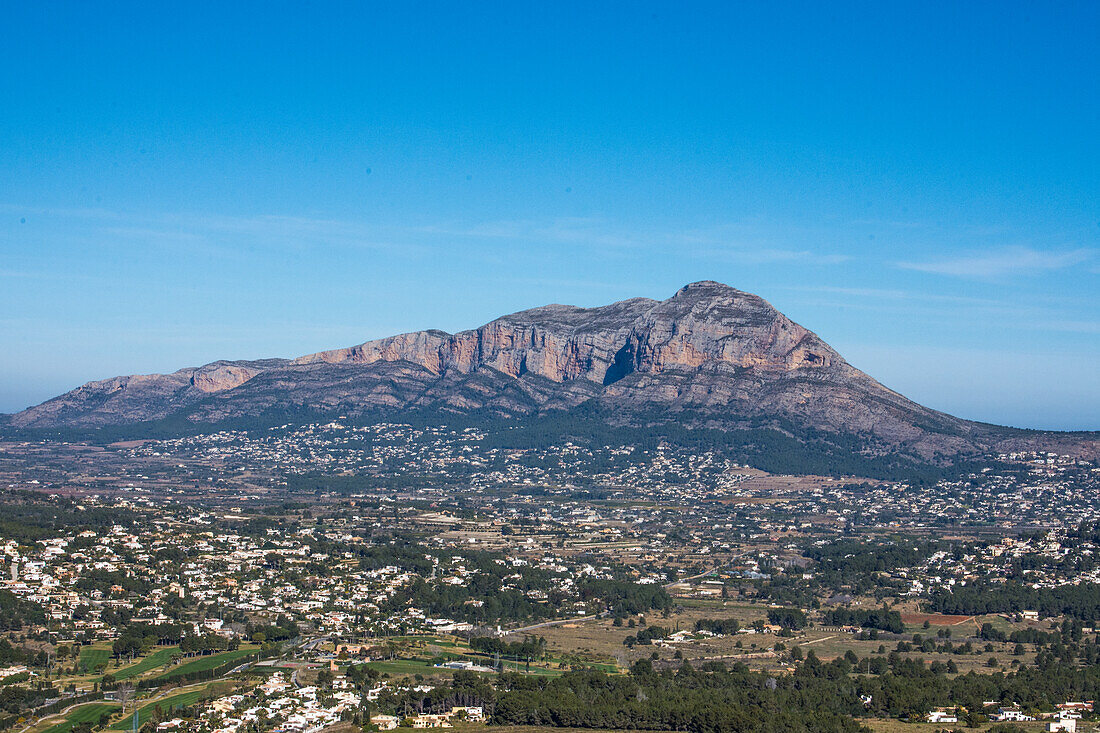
709, 356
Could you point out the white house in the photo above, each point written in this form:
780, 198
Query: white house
1013, 714
384, 722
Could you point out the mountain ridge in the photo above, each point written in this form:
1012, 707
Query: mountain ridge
722, 356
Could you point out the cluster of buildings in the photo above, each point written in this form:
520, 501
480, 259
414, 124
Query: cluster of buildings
277, 705
181, 565
328, 447
469, 714
1042, 560
1034, 489
388, 449
1061, 720
282, 705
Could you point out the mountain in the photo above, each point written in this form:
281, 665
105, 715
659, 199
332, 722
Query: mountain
710, 357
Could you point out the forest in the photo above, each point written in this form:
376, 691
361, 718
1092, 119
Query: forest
822, 697
15, 612
882, 619
1081, 602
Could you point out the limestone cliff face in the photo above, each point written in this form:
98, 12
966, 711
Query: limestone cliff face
704, 326
723, 356
549, 342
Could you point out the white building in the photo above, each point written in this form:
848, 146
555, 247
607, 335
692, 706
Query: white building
943, 716
385, 722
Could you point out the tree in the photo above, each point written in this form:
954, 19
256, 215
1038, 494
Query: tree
788, 618
124, 693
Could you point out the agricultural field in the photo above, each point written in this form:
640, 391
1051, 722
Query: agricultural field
600, 639
418, 654
408, 667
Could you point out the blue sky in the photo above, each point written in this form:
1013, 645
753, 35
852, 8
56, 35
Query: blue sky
918, 183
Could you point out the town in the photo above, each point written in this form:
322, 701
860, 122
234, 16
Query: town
387, 575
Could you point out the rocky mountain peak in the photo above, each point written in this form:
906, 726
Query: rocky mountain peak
708, 289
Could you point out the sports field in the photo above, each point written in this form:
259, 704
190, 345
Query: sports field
89, 713
157, 659
92, 657
201, 664
167, 704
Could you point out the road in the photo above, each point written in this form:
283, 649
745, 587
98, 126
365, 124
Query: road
59, 714
313, 643
703, 574
136, 704
815, 641
544, 624
239, 668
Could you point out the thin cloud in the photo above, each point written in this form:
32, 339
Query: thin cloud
900, 295
1001, 263
1022, 314
588, 231
770, 255
1073, 326
744, 243
194, 229
748, 242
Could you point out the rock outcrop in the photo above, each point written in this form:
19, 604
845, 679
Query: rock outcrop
705, 325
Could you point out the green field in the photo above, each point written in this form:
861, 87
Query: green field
444, 643
91, 657
157, 659
84, 714
436, 640
409, 667
540, 671
166, 704
400, 667
201, 664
